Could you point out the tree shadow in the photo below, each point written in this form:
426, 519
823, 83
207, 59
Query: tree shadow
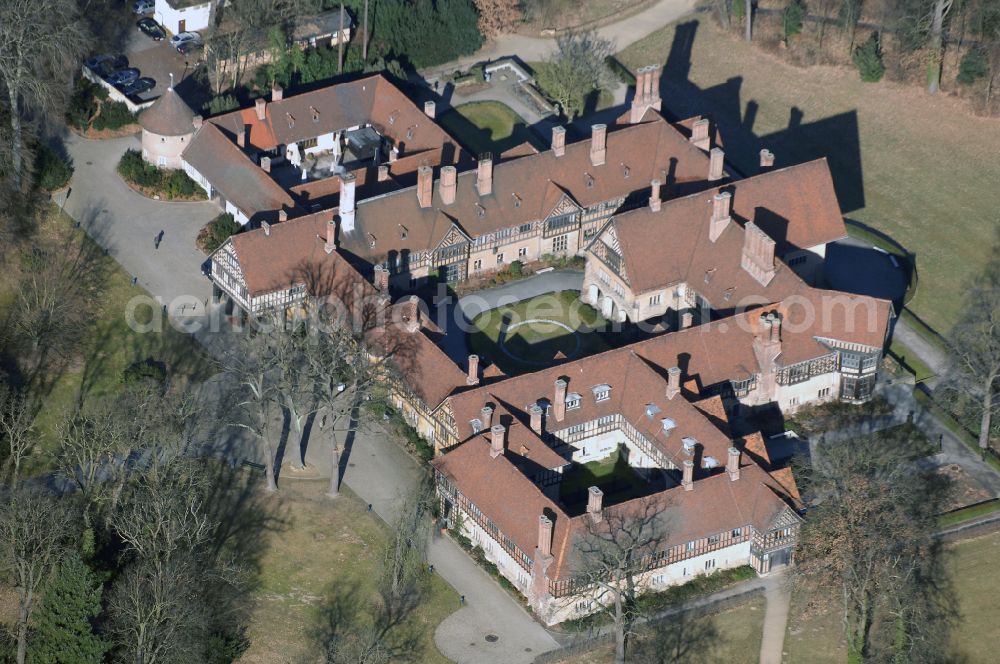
686, 638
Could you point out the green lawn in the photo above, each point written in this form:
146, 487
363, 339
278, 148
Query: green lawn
487, 126
534, 345
914, 167
613, 475
327, 555
909, 360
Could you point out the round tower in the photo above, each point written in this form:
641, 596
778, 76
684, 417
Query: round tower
167, 128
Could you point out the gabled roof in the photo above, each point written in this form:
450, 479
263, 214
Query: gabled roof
168, 116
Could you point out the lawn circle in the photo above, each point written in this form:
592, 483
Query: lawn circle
540, 321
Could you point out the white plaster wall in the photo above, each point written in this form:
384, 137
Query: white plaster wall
197, 17
238, 215
164, 151
496, 554
198, 177
807, 392
597, 447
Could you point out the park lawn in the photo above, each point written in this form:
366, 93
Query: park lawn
325, 555
567, 14
537, 344
108, 345
487, 126
914, 167
732, 636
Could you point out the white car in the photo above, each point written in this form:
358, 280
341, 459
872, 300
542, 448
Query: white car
182, 38
143, 7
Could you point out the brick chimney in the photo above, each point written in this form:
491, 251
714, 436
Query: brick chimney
559, 141
497, 433
331, 235
766, 159
448, 184
473, 377
425, 184
261, 107
484, 174
733, 464
687, 481
716, 162
654, 196
545, 535
687, 320
559, 400
430, 108
282, 214
383, 172
381, 279
721, 205
598, 143
486, 415
276, 92
393, 154
347, 188
241, 136
699, 134
410, 314
647, 92
673, 382
197, 121
536, 418
595, 500
758, 254
265, 164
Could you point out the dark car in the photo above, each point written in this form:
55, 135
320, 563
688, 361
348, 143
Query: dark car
188, 47
151, 28
123, 77
104, 65
139, 85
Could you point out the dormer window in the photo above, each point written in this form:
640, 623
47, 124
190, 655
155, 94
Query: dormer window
392, 117
602, 392
403, 232
517, 200
711, 462
476, 424
668, 424
409, 134
315, 113
480, 211
371, 240
689, 444
291, 120
709, 274
573, 400
652, 410
589, 179
626, 171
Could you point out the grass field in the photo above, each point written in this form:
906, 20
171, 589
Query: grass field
536, 344
487, 126
732, 636
328, 554
817, 639
914, 167
614, 475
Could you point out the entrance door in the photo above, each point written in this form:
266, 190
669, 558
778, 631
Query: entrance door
780, 557
452, 272
181, 26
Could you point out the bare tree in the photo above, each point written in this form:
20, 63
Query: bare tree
748, 11
612, 555
939, 12
17, 428
364, 37
35, 532
294, 381
41, 42
497, 17
575, 70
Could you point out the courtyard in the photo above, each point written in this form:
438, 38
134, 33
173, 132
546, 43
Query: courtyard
538, 332
613, 475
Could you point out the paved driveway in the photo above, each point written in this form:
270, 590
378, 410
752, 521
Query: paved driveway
126, 223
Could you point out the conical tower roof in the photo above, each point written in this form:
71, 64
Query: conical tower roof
168, 116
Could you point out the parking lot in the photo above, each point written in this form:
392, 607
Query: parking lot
156, 60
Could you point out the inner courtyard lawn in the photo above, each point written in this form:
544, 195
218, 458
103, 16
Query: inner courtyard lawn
487, 126
533, 345
884, 142
613, 475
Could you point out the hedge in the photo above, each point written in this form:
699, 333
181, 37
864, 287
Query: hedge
620, 70
218, 231
53, 171
165, 182
113, 115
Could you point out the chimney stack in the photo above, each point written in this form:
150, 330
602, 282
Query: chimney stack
758, 254
536, 418
688, 480
721, 205
699, 134
449, 184
331, 235
598, 143
393, 154
673, 382
595, 500
383, 172
497, 432
381, 280
347, 187
261, 107
486, 415
775, 329
733, 464
484, 174
265, 164
411, 314
716, 159
282, 214
687, 320
647, 92
241, 136
766, 159
197, 121
276, 92
559, 402
266, 227
425, 184
545, 535
430, 108
473, 377
654, 196
559, 141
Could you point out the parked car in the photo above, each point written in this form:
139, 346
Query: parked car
185, 38
104, 65
188, 47
139, 85
151, 28
144, 7
123, 77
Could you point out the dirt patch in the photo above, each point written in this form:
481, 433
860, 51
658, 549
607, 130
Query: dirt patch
552, 16
102, 134
968, 490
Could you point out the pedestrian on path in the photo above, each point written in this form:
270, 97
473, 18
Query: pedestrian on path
158, 239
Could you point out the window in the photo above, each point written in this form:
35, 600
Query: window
477, 264
310, 143
798, 260
714, 539
689, 546
737, 532
162, 161
522, 252
709, 564
655, 299
499, 259
517, 200
794, 401
560, 243
825, 392
602, 392
477, 425
524, 228
572, 401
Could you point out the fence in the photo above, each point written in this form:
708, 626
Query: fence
114, 94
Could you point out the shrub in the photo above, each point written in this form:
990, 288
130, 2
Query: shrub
218, 231
621, 71
134, 169
973, 67
148, 369
165, 182
516, 269
222, 103
868, 59
180, 185
113, 115
792, 17
83, 104
53, 171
